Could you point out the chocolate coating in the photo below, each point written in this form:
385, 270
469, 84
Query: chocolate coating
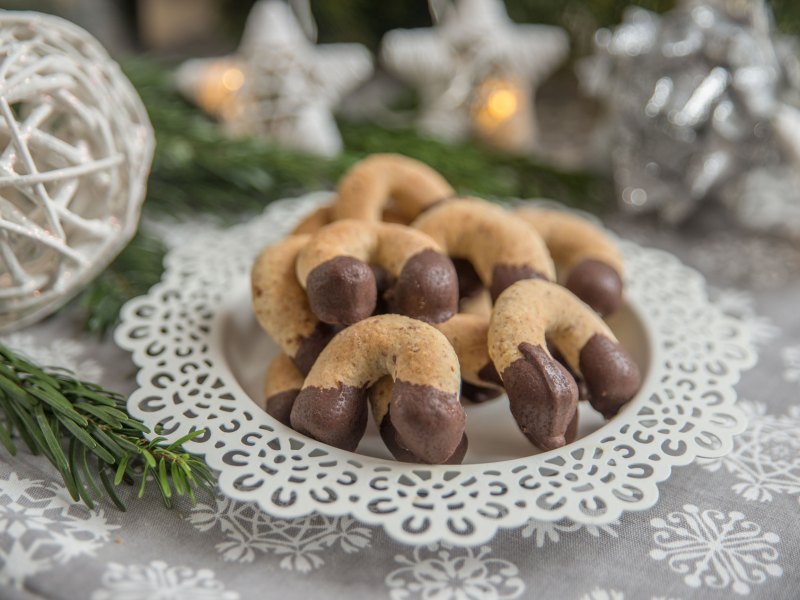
469, 282
429, 422
383, 282
504, 276
389, 437
342, 290
280, 405
583, 391
335, 416
610, 374
478, 393
572, 431
597, 284
489, 374
427, 288
543, 396
312, 345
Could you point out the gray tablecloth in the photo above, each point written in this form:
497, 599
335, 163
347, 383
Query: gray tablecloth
721, 529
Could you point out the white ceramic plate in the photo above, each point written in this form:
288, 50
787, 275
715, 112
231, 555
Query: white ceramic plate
202, 358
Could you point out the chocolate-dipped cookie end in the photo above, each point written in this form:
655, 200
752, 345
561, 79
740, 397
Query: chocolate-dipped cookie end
504, 276
543, 396
310, 346
335, 416
279, 406
427, 288
342, 290
429, 422
489, 374
478, 393
389, 437
611, 375
469, 282
597, 284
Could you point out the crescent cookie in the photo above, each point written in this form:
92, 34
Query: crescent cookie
317, 219
542, 393
423, 404
477, 304
588, 262
468, 334
281, 305
281, 386
366, 189
500, 247
314, 221
334, 268
488, 384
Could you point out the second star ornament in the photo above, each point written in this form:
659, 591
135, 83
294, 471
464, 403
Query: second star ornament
476, 72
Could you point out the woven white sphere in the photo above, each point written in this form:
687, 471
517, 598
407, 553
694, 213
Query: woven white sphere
75, 150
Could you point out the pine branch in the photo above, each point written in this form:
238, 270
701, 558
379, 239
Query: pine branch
138, 267
86, 433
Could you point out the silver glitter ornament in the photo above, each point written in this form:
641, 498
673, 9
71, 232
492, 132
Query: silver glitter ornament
704, 103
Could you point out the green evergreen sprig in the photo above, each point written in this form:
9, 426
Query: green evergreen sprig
87, 434
138, 267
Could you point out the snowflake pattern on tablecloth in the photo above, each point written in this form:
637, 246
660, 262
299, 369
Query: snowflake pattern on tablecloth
544, 531
746, 261
791, 364
445, 572
766, 457
714, 549
728, 257
59, 352
740, 304
601, 594
300, 542
41, 527
159, 581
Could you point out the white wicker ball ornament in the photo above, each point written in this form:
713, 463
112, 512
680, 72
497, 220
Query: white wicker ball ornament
75, 150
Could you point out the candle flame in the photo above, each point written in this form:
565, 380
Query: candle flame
217, 90
502, 104
233, 79
498, 101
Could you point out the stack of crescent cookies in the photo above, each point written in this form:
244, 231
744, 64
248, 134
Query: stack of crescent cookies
401, 298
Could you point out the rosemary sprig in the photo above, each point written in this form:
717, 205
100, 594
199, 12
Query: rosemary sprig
85, 431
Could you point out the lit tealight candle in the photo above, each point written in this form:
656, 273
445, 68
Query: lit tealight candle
500, 102
213, 84
501, 113
233, 79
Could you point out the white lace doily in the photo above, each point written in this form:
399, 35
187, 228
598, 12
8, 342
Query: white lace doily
181, 337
